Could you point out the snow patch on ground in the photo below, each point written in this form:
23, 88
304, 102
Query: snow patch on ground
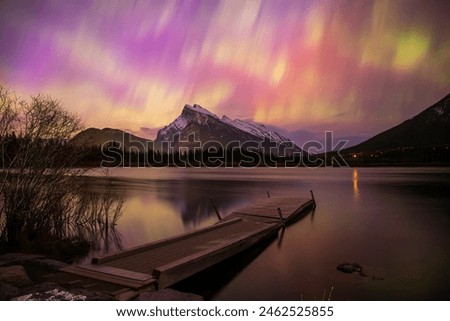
52, 295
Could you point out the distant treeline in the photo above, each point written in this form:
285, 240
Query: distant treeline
405, 156
112, 155
15, 147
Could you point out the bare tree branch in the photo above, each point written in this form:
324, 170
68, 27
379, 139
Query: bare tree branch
41, 198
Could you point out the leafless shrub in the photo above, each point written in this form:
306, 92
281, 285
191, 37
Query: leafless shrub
41, 200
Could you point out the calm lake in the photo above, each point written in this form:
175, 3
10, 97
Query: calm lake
395, 222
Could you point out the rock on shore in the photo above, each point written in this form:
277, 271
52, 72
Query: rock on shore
17, 284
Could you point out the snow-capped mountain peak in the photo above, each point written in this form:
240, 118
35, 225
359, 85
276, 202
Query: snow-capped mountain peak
208, 127
256, 129
190, 114
199, 109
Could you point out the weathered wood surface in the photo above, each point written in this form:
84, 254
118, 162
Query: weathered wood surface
158, 244
113, 275
160, 253
267, 210
163, 263
182, 268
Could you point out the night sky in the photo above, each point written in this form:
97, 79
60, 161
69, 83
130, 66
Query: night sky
355, 67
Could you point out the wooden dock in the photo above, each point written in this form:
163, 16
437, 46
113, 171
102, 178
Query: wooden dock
281, 209
163, 263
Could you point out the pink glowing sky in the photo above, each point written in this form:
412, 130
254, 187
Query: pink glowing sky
355, 67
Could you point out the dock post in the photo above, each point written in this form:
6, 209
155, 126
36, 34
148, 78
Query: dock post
314, 200
268, 194
281, 215
215, 209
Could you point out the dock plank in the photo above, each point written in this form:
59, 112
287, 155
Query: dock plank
186, 266
268, 208
165, 262
169, 240
126, 278
147, 260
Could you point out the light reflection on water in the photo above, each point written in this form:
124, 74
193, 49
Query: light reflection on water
393, 221
355, 183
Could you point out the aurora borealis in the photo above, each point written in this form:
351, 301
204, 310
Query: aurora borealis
355, 67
